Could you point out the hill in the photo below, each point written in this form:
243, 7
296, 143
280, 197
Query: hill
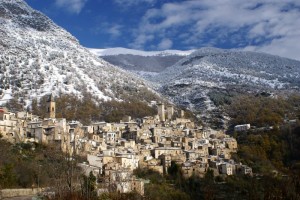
38, 57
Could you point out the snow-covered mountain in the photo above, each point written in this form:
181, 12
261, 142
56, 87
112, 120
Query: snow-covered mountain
125, 51
143, 63
207, 76
218, 68
38, 57
196, 73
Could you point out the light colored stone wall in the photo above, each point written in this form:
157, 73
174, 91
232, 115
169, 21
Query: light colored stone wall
8, 193
157, 168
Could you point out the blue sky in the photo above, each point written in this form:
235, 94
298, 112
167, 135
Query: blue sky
271, 26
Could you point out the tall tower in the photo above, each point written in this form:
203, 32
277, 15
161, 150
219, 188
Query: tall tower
182, 114
161, 111
170, 112
51, 107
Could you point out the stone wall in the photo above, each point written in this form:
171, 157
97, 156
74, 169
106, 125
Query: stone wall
7, 193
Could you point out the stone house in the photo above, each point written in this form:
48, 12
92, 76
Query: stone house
101, 126
170, 150
137, 185
166, 162
231, 143
8, 123
34, 129
194, 168
127, 160
227, 168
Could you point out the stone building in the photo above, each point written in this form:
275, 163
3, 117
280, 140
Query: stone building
170, 112
51, 107
8, 123
161, 111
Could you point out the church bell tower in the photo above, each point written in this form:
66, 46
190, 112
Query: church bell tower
51, 107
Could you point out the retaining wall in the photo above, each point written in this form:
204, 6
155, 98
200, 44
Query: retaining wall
8, 193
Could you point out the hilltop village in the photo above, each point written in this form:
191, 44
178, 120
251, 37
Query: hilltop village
114, 150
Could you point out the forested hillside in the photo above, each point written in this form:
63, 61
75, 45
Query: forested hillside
273, 154
87, 111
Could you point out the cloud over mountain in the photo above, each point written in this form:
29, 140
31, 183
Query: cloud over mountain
268, 26
72, 6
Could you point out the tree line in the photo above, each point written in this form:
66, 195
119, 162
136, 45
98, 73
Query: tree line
87, 110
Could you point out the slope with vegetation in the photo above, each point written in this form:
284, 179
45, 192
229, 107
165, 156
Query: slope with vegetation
273, 142
38, 57
87, 111
273, 155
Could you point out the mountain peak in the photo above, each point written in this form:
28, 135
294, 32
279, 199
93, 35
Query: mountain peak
38, 57
19, 13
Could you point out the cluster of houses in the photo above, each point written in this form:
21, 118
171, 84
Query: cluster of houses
115, 150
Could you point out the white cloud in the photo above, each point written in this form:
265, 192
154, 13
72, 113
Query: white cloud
72, 6
141, 40
270, 26
115, 30
129, 3
285, 47
165, 44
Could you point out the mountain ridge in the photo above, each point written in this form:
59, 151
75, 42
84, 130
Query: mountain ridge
40, 58
199, 80
125, 51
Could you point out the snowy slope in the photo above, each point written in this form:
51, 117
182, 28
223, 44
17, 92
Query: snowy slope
214, 72
199, 79
142, 63
124, 51
38, 57
218, 68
